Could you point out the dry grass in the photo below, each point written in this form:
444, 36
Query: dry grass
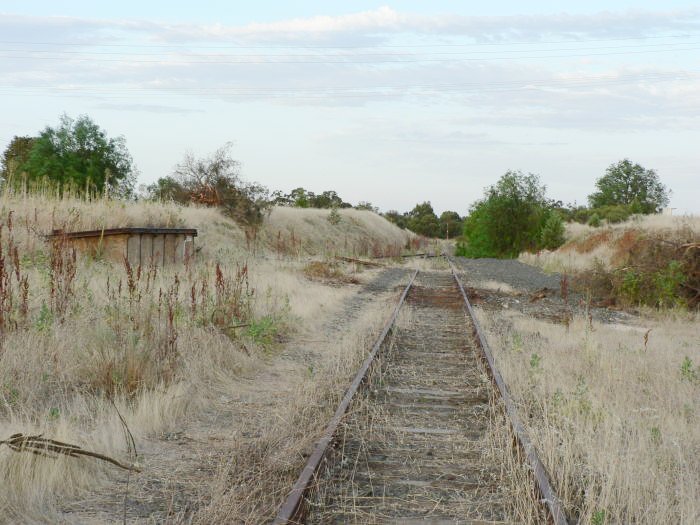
613, 410
163, 345
328, 272
587, 247
250, 487
310, 232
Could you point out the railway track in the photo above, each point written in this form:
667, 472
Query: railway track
411, 449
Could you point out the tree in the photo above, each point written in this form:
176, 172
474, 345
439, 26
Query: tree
15, 155
328, 199
300, 198
400, 219
450, 224
215, 181
423, 221
552, 235
167, 189
509, 219
79, 154
631, 185
367, 206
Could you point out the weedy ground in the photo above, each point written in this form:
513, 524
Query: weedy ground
648, 261
86, 343
587, 247
612, 409
610, 399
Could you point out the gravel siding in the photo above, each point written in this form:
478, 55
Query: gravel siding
510, 271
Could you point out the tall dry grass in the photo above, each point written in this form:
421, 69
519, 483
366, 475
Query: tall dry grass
613, 411
316, 232
83, 340
255, 480
587, 247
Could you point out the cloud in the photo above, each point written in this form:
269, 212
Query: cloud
387, 21
362, 25
571, 93
147, 108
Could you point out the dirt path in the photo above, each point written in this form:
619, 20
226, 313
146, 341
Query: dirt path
416, 450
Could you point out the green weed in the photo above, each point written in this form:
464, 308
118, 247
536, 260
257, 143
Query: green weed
44, 320
599, 517
263, 331
688, 372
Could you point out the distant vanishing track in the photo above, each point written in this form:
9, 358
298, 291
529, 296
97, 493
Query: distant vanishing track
413, 449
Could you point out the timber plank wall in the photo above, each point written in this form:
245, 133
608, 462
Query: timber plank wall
140, 246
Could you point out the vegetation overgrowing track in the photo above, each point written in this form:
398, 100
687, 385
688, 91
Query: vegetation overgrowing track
414, 446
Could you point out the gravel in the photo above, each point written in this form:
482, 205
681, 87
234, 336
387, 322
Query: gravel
514, 273
526, 280
384, 281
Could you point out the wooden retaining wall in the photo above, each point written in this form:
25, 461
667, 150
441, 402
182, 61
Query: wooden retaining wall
140, 246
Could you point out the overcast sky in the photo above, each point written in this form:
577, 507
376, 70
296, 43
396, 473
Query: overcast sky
392, 103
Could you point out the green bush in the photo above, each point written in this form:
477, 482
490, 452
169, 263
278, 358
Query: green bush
630, 287
614, 213
552, 235
662, 288
594, 220
509, 219
667, 284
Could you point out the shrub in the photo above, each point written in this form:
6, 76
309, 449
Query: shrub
594, 220
334, 217
553, 232
655, 271
214, 181
509, 219
615, 213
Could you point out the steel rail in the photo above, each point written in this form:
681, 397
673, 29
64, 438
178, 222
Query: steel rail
542, 479
293, 510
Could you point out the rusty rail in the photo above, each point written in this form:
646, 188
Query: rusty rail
293, 509
544, 486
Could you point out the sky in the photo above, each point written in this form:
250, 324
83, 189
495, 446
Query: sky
391, 103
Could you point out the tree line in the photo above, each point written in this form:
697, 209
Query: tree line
513, 215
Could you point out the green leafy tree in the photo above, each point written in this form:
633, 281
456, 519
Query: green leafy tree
328, 199
508, 219
594, 220
400, 219
167, 189
15, 155
450, 224
79, 154
423, 221
277, 198
300, 198
632, 185
368, 206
